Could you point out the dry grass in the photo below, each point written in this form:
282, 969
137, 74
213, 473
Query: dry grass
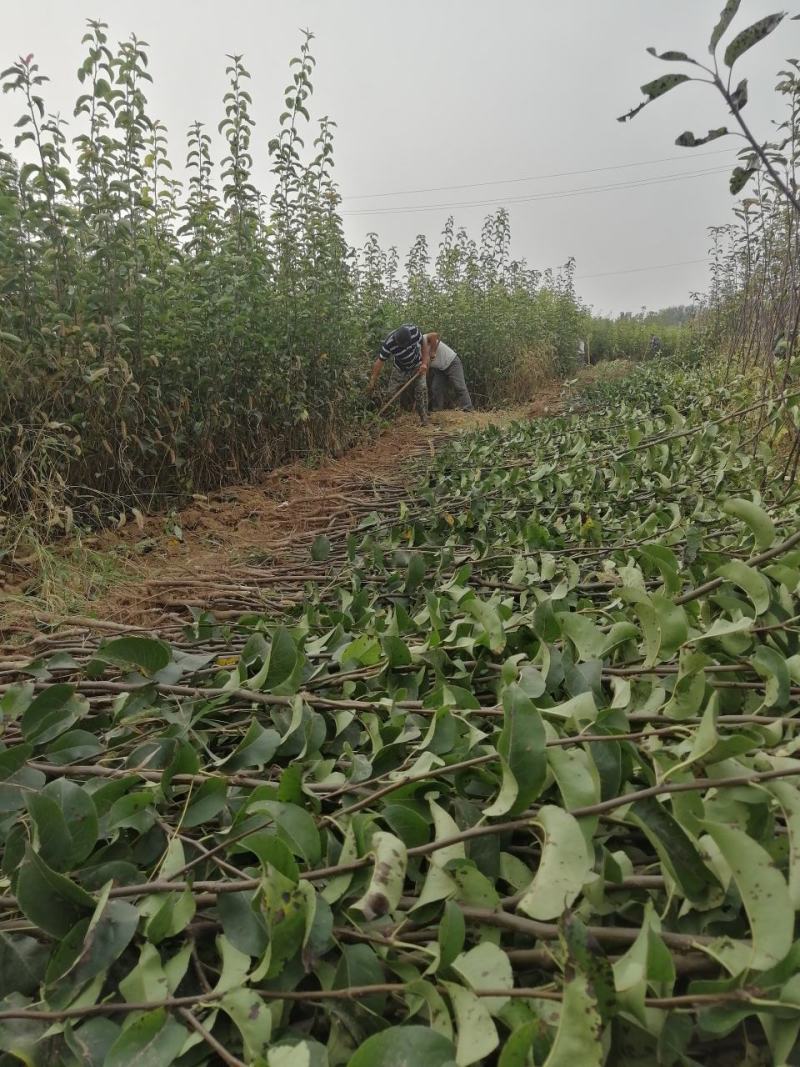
531, 372
609, 370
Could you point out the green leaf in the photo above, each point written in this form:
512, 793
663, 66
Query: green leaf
146, 981
234, 965
276, 676
578, 781
170, 914
91, 947
295, 826
646, 964
66, 823
285, 910
242, 924
670, 56
580, 1028
438, 884
365, 651
451, 934
51, 713
486, 967
294, 1052
666, 562
676, 850
723, 628
755, 585
17, 786
51, 901
320, 549
488, 617
472, 886
153, 1040
565, 866
416, 572
273, 851
74, 747
146, 654
251, 1014
318, 934
763, 890
577, 712
404, 1046
688, 140
703, 741
518, 1048
672, 623
727, 16
256, 748
585, 956
434, 1005
788, 797
359, 965
22, 963
588, 639
90, 1042
477, 1034
761, 525
207, 802
15, 700
521, 747
740, 177
772, 666
662, 85
751, 36
740, 95
397, 652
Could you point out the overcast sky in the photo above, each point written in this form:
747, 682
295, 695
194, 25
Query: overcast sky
500, 98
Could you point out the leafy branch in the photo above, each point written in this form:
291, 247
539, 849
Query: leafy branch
735, 98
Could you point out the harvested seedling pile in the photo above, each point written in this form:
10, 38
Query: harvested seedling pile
505, 774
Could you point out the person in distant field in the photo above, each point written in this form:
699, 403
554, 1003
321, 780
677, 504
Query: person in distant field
447, 371
655, 345
410, 354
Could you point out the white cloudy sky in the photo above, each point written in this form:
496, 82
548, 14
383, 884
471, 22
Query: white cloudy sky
475, 103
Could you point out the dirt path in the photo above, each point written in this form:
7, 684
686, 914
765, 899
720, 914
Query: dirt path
232, 551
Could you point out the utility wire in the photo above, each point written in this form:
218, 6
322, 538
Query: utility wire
636, 270
534, 177
533, 197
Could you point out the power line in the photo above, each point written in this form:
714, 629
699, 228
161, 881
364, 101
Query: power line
533, 177
565, 194
636, 270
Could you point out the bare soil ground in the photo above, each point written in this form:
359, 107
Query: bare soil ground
226, 550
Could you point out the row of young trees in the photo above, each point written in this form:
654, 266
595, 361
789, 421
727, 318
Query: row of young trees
158, 339
511, 324
629, 335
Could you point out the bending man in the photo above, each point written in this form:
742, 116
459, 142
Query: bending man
410, 353
447, 372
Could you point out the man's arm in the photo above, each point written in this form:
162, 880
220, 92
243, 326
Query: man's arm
377, 367
430, 342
